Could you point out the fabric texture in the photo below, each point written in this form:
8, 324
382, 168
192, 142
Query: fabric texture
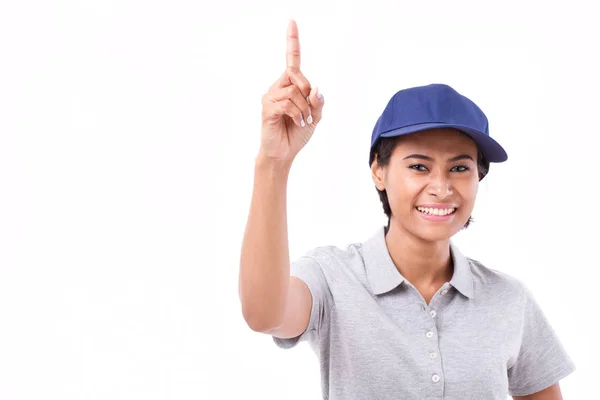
482, 336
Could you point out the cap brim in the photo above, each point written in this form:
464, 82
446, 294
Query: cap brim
490, 148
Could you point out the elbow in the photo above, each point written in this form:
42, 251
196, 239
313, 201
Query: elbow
261, 313
259, 320
259, 324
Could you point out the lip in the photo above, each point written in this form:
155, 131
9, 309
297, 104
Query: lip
437, 205
437, 218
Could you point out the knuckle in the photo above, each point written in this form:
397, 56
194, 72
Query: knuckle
287, 106
305, 87
291, 90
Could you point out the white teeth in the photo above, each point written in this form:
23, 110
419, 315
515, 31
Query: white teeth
436, 211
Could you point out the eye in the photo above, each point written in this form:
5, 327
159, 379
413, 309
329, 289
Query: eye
418, 167
460, 168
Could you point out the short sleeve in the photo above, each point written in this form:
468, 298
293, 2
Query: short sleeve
542, 360
309, 270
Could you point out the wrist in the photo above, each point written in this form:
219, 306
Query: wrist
265, 162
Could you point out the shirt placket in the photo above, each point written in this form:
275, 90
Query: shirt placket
435, 385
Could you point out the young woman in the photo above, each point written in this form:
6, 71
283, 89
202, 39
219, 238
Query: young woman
403, 315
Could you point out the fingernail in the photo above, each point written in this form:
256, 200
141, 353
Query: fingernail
302, 122
319, 95
309, 119
308, 101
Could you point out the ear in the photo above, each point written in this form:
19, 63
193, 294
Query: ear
378, 173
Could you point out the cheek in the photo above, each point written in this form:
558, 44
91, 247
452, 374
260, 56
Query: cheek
403, 192
468, 192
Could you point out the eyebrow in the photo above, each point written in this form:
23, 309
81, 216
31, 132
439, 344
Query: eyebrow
424, 157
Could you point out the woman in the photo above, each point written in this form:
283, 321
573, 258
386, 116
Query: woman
403, 315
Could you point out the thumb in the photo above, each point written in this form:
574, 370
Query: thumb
316, 104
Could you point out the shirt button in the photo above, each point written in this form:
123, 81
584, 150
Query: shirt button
435, 378
444, 291
429, 334
432, 355
433, 313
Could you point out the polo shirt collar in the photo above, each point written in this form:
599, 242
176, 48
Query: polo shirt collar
384, 276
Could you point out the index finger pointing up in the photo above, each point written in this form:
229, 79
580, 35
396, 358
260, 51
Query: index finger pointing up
293, 46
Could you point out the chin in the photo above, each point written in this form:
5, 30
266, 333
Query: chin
435, 234
435, 231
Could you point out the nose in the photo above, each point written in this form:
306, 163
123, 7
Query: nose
440, 186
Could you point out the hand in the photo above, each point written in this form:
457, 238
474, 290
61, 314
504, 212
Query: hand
291, 108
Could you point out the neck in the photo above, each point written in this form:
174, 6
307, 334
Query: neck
422, 263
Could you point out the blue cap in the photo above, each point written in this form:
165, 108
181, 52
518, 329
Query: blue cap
436, 106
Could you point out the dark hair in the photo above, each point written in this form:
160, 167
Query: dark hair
384, 147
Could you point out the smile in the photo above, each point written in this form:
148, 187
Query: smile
441, 212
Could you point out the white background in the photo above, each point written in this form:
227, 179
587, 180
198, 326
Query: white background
128, 131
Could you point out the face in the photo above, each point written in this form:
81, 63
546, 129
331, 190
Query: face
431, 183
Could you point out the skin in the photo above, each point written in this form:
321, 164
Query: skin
291, 110
420, 248
550, 393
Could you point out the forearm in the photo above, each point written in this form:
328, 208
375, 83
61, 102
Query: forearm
264, 262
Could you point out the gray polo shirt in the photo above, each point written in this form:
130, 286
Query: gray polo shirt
482, 337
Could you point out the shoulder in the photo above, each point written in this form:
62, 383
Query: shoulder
334, 260
495, 282
328, 253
